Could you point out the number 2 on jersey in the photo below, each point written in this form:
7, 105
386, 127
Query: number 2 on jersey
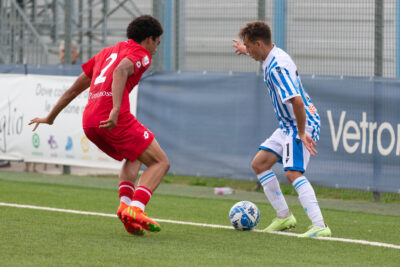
101, 78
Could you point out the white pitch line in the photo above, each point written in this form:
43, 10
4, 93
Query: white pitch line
355, 241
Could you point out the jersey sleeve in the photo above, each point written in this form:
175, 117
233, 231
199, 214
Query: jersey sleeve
88, 67
284, 82
141, 61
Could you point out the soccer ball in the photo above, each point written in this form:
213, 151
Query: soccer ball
244, 215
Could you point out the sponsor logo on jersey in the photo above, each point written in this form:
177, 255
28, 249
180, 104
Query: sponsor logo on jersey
138, 64
99, 94
312, 109
146, 135
145, 61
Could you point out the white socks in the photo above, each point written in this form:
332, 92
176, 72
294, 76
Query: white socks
309, 201
273, 192
126, 200
138, 204
305, 191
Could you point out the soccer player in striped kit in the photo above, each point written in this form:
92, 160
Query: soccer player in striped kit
295, 139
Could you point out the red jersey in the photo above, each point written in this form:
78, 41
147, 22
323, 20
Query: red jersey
100, 69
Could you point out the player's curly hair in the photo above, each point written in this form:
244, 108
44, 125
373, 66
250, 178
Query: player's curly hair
142, 27
257, 30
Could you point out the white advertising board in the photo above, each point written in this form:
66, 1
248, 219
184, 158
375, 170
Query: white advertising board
24, 97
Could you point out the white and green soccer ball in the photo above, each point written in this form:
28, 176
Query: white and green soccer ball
244, 215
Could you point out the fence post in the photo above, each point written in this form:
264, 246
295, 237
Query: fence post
105, 19
159, 13
261, 10
168, 34
90, 30
260, 16
67, 31
279, 26
378, 72
54, 27
397, 41
12, 34
80, 27
378, 58
179, 34
21, 43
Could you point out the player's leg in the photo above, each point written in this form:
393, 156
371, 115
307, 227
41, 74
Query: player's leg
269, 154
272, 190
296, 158
262, 164
129, 169
264, 160
157, 166
127, 178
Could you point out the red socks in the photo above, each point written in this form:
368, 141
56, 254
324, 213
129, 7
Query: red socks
126, 190
137, 198
141, 197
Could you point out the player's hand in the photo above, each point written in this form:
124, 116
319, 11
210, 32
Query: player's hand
39, 121
112, 120
309, 143
240, 48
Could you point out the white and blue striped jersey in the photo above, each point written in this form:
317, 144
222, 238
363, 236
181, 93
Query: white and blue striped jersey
283, 82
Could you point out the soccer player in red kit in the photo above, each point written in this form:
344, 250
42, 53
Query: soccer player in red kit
108, 123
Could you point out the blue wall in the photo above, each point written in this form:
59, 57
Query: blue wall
212, 124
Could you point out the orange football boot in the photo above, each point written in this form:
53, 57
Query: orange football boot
136, 215
131, 227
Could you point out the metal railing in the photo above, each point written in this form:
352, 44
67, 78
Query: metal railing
31, 30
20, 43
324, 37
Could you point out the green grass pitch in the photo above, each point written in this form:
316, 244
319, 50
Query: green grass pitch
47, 238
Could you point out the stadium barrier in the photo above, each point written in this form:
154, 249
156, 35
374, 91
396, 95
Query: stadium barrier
27, 96
211, 124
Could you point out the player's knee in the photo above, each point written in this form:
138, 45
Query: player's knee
256, 167
134, 174
166, 165
292, 175
163, 163
127, 176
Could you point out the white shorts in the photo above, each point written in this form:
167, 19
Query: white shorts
289, 149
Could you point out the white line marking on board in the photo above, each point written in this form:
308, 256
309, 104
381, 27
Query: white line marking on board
355, 241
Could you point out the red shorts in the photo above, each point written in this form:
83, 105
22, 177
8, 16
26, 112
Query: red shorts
122, 142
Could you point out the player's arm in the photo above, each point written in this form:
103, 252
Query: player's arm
120, 75
240, 48
80, 85
300, 114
